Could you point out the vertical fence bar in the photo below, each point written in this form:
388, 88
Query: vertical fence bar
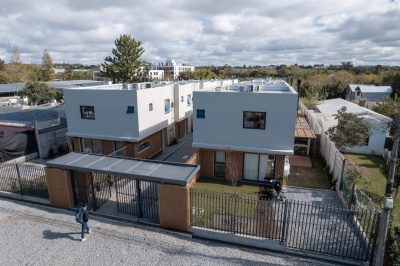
21, 191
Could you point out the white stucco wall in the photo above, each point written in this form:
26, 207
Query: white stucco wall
222, 127
111, 118
151, 122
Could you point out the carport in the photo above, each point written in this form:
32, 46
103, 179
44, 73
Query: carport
145, 188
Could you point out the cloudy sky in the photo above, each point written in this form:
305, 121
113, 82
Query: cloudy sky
205, 32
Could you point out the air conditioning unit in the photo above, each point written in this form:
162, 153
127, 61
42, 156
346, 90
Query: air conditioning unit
256, 88
125, 86
134, 86
142, 86
241, 88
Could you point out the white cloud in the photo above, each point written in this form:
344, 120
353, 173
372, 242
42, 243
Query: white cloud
232, 32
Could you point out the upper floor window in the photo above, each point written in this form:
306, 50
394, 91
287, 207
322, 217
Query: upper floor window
167, 104
130, 110
87, 112
189, 99
150, 107
254, 119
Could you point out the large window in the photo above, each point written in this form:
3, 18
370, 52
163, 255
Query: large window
219, 164
254, 119
257, 167
91, 145
87, 112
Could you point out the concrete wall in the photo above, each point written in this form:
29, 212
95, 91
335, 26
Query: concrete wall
54, 140
60, 188
222, 127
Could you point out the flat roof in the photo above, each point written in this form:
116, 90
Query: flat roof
148, 170
302, 129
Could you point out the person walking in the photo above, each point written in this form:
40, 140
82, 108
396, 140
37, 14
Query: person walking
85, 227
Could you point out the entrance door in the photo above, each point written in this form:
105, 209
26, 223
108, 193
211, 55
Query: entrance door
255, 166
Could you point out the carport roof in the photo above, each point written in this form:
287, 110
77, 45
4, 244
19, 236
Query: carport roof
148, 170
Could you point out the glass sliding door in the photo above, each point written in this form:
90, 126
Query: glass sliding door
257, 167
250, 167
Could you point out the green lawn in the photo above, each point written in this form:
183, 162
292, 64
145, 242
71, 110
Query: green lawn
308, 177
373, 181
224, 186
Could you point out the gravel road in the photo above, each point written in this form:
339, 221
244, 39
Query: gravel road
38, 235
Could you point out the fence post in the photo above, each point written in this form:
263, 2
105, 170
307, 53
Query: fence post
341, 174
352, 195
19, 179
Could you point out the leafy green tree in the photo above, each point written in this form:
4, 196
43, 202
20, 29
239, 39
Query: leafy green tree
203, 73
2, 64
389, 107
126, 65
4, 79
392, 250
187, 75
392, 78
40, 93
351, 131
47, 68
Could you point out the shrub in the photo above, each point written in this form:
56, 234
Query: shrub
35, 187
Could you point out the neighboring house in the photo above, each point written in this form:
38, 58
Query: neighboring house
45, 125
325, 114
245, 129
172, 68
368, 92
142, 118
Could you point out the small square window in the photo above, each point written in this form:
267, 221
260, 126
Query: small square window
189, 99
182, 98
201, 113
131, 110
150, 107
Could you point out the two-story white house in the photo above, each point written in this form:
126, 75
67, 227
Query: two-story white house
245, 128
142, 118
171, 68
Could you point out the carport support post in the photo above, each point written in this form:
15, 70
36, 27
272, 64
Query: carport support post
388, 200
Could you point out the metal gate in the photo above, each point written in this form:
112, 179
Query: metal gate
332, 230
91, 188
139, 198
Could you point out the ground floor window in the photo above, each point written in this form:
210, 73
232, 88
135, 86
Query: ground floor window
91, 146
118, 145
257, 167
219, 164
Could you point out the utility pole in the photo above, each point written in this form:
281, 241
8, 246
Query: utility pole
380, 255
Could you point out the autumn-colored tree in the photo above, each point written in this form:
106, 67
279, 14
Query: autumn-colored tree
47, 68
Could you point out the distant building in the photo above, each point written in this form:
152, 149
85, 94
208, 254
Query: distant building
170, 67
368, 92
156, 74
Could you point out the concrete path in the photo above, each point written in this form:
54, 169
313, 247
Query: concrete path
38, 235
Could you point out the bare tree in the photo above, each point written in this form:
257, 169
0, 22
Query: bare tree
232, 166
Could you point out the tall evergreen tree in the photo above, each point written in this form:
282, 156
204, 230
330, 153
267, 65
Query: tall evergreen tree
47, 68
126, 65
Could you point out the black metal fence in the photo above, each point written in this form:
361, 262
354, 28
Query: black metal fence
139, 198
317, 228
24, 179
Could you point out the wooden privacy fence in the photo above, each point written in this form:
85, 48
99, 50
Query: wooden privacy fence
318, 228
29, 180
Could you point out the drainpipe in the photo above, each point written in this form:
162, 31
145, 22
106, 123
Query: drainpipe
298, 92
